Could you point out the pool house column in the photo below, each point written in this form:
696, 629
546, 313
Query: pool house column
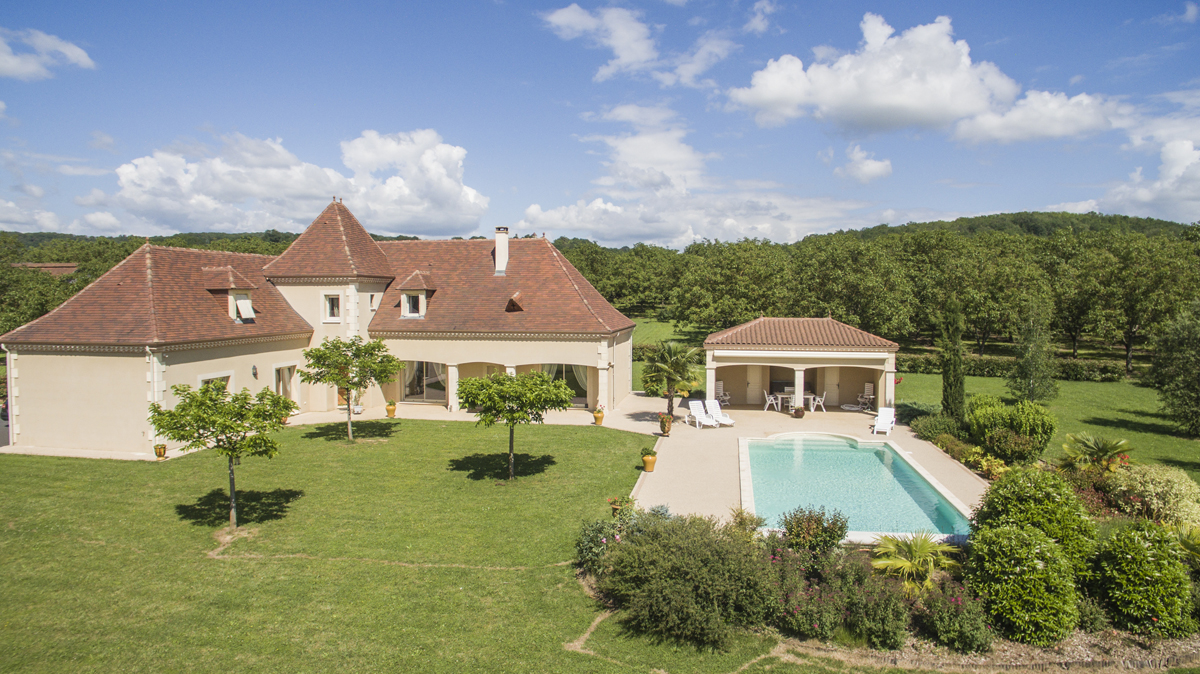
452, 387
799, 386
710, 376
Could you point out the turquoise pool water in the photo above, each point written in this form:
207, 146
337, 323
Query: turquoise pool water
873, 487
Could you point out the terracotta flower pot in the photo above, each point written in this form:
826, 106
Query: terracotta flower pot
648, 463
598, 415
391, 411
160, 451
798, 413
664, 425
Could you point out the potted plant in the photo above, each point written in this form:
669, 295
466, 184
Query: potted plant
618, 502
798, 412
391, 409
357, 402
649, 456
160, 450
598, 415
664, 423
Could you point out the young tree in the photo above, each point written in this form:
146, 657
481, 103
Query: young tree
233, 425
1176, 369
954, 392
351, 364
1032, 378
671, 365
523, 399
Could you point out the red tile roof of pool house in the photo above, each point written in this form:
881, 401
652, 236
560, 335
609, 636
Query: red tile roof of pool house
798, 334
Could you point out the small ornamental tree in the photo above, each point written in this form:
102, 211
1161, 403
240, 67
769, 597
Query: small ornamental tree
670, 366
953, 381
510, 400
351, 364
1176, 363
1032, 378
232, 425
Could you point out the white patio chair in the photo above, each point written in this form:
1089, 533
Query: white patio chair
885, 421
714, 411
819, 401
867, 396
771, 400
721, 394
699, 416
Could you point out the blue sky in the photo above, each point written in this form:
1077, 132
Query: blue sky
657, 121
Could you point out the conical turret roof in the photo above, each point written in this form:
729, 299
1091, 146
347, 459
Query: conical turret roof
334, 245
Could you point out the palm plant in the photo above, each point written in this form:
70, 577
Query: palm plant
670, 366
1084, 450
915, 559
1188, 536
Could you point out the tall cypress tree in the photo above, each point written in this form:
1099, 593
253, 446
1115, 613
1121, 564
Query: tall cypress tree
954, 391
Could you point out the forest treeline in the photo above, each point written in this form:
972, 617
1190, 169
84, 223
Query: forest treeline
1106, 277
1113, 279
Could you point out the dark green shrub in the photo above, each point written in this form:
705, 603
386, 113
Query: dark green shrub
1011, 447
813, 529
822, 594
689, 579
918, 364
931, 426
1034, 422
955, 619
1000, 366
651, 387
1092, 617
812, 611
642, 351
907, 412
593, 541
1025, 582
1028, 496
1143, 583
879, 613
1090, 370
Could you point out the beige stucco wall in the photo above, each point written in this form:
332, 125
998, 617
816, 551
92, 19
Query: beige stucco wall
80, 400
191, 366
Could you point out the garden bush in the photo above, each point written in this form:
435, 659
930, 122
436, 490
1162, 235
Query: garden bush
689, 579
931, 426
906, 413
1092, 617
822, 593
971, 456
1000, 366
1143, 583
1089, 370
982, 401
1162, 493
651, 387
950, 616
1011, 447
593, 541
1038, 498
1026, 583
813, 529
879, 613
1025, 418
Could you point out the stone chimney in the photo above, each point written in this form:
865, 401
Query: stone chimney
501, 250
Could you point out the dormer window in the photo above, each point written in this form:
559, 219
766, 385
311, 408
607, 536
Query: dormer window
243, 310
412, 305
333, 309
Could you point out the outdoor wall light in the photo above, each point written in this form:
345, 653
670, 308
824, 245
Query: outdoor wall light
254, 371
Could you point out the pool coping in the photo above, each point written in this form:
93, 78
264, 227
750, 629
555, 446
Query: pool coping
859, 537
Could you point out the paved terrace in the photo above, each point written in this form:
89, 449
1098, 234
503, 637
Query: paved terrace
697, 469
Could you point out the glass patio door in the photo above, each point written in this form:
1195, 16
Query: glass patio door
424, 381
576, 377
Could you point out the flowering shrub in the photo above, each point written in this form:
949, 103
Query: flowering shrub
955, 620
813, 529
1162, 493
1143, 584
593, 541
1026, 583
1029, 496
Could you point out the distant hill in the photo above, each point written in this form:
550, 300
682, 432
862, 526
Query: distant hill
1034, 223
182, 240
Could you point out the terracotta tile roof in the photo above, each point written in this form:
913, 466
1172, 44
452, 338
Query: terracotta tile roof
418, 280
334, 245
158, 296
798, 333
225, 278
554, 296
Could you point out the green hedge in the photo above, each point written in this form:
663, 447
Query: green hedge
1143, 584
1000, 366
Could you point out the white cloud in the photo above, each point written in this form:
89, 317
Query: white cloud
653, 159
102, 141
677, 3
3, 107
614, 28
13, 217
862, 166
759, 23
1042, 114
920, 78
709, 50
30, 190
1190, 13
1076, 80
1175, 195
48, 51
78, 170
403, 182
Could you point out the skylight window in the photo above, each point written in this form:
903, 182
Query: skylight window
244, 312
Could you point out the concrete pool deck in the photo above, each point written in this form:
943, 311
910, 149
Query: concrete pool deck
698, 470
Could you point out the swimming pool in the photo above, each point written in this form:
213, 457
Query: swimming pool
875, 487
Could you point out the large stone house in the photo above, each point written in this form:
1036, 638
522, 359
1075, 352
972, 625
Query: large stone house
83, 375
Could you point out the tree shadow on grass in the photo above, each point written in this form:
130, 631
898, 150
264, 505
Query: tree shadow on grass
1190, 466
362, 430
1134, 426
212, 509
495, 466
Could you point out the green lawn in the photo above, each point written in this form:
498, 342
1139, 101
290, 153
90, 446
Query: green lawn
650, 331
403, 552
1113, 409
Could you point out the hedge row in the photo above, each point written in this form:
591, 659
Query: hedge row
999, 366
